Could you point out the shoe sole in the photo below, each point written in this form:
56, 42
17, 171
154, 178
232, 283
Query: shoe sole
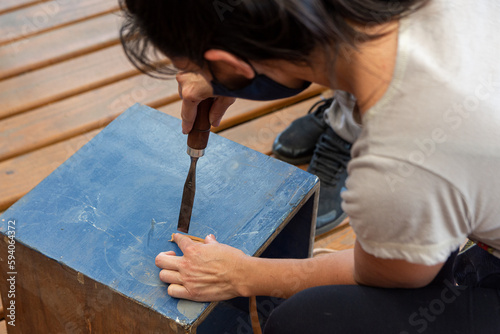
293, 161
330, 226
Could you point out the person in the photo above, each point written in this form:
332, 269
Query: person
422, 178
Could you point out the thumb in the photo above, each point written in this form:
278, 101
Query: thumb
210, 239
182, 241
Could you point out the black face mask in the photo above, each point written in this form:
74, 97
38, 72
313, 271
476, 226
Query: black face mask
260, 88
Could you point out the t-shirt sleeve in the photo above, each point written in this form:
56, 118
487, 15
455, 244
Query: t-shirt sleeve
402, 211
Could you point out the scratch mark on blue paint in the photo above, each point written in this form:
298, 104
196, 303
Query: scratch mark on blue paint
91, 206
136, 237
151, 230
98, 228
247, 233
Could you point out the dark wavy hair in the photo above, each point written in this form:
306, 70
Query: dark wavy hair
250, 29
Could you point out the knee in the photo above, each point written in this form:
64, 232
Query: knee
315, 310
294, 315
277, 321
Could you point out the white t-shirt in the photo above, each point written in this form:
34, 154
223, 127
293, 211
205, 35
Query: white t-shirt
425, 173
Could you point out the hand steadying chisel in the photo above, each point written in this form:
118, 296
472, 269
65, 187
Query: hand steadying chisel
196, 142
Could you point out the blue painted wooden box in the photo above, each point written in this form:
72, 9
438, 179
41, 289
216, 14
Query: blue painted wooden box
86, 237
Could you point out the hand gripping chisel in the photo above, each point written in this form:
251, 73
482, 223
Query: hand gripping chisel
196, 142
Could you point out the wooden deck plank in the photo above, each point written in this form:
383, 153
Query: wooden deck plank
49, 15
340, 238
81, 113
56, 82
70, 117
11, 5
58, 45
259, 134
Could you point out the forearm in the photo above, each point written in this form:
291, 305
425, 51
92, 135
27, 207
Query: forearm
285, 277
213, 271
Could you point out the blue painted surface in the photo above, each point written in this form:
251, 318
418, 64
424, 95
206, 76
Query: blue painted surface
111, 208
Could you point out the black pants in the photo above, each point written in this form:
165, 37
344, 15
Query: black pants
442, 307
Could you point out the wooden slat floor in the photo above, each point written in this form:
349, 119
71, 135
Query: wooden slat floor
64, 76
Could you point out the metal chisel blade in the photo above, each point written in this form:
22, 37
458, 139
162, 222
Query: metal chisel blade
188, 198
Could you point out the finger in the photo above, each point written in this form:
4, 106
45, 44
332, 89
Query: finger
170, 253
167, 261
182, 241
170, 276
178, 291
179, 88
188, 114
219, 108
210, 239
180, 83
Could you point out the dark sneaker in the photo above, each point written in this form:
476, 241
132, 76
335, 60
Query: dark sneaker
329, 163
296, 143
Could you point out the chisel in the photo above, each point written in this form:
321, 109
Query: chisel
196, 143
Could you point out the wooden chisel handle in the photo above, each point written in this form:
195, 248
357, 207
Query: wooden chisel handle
198, 137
